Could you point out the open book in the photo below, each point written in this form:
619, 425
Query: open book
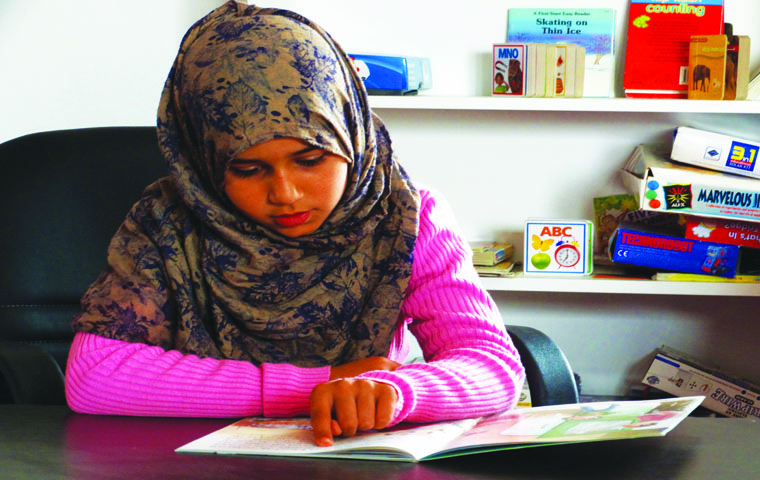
530, 427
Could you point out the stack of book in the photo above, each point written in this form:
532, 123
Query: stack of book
712, 182
538, 69
493, 259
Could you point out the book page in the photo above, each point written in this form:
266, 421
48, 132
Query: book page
294, 437
578, 422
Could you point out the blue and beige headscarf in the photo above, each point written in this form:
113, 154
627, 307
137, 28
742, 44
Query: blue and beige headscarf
188, 271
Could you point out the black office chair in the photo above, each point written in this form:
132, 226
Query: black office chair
63, 194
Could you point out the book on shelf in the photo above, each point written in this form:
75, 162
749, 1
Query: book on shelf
753, 89
657, 46
502, 269
509, 68
707, 67
519, 428
592, 29
634, 246
695, 277
716, 151
737, 67
490, 253
662, 185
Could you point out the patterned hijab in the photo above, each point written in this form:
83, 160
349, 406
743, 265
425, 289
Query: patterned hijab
188, 271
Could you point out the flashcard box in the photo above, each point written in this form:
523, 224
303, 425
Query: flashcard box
679, 374
508, 75
559, 247
716, 151
665, 252
664, 186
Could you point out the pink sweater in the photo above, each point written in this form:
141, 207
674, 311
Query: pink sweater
471, 366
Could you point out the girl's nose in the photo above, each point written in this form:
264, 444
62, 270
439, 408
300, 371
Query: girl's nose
282, 190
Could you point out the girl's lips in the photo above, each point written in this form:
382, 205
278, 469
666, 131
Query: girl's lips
292, 220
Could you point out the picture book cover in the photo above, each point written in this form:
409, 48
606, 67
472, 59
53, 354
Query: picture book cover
716, 151
638, 247
657, 46
591, 28
509, 69
661, 185
707, 67
519, 428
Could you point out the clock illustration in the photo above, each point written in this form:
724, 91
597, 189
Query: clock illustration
567, 255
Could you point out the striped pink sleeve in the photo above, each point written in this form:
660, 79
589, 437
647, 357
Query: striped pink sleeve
472, 367
106, 376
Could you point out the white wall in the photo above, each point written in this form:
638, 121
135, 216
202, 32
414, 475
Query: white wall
81, 63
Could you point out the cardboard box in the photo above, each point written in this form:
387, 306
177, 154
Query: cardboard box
664, 186
559, 247
676, 373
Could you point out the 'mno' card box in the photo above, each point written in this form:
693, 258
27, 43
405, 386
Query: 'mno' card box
559, 247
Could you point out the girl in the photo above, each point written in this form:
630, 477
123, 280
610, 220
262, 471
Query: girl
281, 267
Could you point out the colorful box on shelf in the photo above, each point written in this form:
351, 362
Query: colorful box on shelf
664, 186
665, 252
559, 247
392, 75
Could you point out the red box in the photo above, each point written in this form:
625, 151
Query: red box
657, 50
718, 230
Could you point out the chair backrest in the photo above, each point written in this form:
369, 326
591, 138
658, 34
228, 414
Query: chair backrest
63, 194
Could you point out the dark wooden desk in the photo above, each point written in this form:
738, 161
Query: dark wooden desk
52, 442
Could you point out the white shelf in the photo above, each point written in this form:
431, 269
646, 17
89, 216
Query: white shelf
523, 283
430, 102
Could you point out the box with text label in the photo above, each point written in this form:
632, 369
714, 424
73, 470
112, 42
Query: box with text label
559, 247
677, 373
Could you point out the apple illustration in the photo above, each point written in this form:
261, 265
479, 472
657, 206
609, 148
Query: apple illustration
541, 260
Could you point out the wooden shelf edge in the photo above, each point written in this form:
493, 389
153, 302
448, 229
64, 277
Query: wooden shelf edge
558, 284
431, 102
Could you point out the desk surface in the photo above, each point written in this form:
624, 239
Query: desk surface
52, 442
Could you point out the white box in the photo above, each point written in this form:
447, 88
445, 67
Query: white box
716, 151
676, 373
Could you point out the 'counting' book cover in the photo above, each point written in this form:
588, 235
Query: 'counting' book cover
657, 49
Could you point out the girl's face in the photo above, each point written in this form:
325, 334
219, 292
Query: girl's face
286, 185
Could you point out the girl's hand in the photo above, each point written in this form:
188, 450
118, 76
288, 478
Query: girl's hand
358, 404
356, 368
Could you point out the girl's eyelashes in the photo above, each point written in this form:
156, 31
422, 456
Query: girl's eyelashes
248, 168
244, 169
311, 161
